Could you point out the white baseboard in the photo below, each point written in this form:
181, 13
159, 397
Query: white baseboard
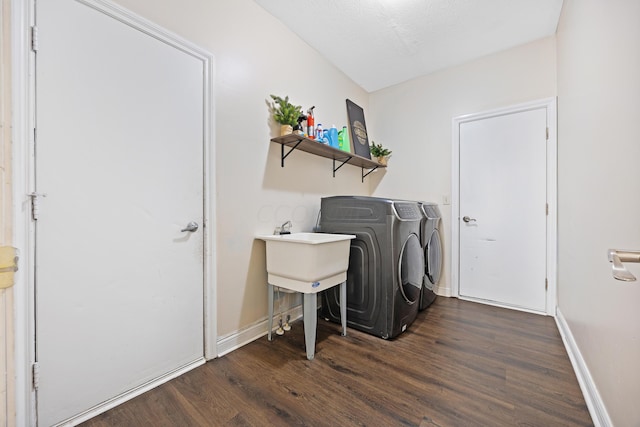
501, 305
598, 411
237, 339
443, 291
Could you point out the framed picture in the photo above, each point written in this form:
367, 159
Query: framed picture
358, 128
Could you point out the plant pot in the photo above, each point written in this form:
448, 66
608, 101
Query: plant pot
382, 160
286, 130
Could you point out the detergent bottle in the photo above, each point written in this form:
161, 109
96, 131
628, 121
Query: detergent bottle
343, 140
333, 137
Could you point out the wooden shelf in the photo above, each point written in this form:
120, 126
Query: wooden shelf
323, 150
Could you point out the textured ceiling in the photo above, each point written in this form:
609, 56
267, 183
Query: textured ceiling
379, 43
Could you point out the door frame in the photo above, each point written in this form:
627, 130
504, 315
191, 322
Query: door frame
23, 173
552, 194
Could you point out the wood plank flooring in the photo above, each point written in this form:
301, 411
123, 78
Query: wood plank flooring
459, 364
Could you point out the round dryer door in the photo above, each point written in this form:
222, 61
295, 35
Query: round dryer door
433, 259
410, 269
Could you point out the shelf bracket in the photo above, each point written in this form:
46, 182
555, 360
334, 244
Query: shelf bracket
364, 175
341, 165
284, 156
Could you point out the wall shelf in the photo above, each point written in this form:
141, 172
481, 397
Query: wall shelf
340, 157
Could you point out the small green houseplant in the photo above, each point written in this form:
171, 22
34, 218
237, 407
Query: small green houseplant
382, 153
285, 113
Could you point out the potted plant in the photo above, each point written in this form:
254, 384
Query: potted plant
380, 153
285, 113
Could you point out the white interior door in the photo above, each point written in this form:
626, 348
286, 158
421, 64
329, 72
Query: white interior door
502, 209
119, 156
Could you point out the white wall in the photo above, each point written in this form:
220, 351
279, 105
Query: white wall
599, 183
257, 56
414, 120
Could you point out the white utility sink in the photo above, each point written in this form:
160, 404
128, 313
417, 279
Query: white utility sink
308, 263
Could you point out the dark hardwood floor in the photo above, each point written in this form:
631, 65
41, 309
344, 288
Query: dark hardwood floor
459, 364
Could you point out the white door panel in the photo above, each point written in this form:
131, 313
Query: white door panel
503, 192
119, 155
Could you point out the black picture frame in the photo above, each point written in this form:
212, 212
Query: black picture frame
358, 130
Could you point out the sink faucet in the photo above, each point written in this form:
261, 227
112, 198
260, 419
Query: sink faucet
286, 228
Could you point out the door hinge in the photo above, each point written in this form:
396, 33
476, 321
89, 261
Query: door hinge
35, 375
546, 284
34, 38
547, 209
35, 204
547, 134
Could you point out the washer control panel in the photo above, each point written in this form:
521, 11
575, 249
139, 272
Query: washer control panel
407, 210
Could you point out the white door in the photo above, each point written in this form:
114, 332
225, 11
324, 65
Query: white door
502, 209
119, 156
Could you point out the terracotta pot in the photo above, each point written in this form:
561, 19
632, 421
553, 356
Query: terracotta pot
382, 160
286, 130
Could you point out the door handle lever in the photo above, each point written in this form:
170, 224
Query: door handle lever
192, 227
616, 258
467, 219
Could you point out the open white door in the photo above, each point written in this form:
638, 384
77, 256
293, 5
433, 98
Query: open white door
121, 131
502, 208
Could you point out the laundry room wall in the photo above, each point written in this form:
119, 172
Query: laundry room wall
414, 119
257, 56
599, 207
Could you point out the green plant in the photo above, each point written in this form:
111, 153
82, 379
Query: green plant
285, 112
378, 150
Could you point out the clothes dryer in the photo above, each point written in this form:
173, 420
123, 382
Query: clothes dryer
432, 250
386, 263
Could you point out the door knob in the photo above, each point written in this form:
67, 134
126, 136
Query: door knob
192, 227
467, 219
616, 258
